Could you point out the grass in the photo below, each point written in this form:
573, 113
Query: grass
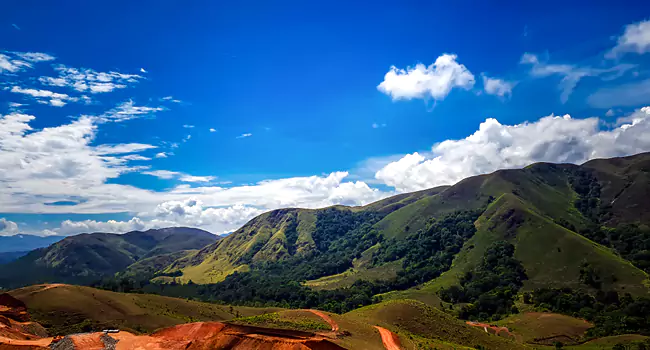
545, 328
347, 278
411, 317
291, 319
68, 309
607, 343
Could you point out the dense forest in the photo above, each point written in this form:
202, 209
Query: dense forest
492, 287
342, 236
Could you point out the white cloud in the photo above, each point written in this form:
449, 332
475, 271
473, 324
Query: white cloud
163, 174
434, 81
191, 178
213, 130
635, 39
496, 146
69, 227
46, 96
12, 62
170, 99
88, 80
187, 126
571, 74
610, 113
497, 87
128, 110
8, 228
122, 148
244, 135
142, 70
192, 212
161, 155
35, 56
377, 125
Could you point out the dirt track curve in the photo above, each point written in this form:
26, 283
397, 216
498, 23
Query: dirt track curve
324, 316
390, 339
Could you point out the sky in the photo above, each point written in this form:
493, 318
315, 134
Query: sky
129, 115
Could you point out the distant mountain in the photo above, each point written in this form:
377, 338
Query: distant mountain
25, 243
10, 256
87, 257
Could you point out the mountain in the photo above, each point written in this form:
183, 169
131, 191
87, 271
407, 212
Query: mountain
25, 243
541, 209
88, 257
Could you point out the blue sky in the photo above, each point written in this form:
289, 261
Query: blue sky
129, 115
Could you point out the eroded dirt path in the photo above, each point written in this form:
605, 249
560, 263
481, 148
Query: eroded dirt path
324, 316
390, 339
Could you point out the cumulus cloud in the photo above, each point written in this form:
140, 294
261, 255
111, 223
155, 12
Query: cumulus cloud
244, 135
89, 80
495, 146
635, 39
188, 126
161, 155
213, 130
69, 227
8, 228
435, 81
571, 74
497, 87
192, 212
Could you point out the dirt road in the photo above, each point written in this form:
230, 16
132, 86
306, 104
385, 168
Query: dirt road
390, 339
324, 316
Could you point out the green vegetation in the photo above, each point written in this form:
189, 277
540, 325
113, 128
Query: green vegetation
611, 314
492, 287
296, 320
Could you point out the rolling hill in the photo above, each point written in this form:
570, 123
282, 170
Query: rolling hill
87, 257
65, 309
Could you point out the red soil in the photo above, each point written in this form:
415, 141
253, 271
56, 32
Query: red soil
16, 332
324, 316
390, 339
211, 335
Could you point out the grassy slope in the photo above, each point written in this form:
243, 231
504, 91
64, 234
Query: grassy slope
418, 323
287, 319
551, 254
536, 326
65, 309
607, 343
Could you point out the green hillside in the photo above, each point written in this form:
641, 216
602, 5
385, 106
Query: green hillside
87, 257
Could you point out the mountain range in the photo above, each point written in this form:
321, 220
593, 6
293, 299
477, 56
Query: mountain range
87, 257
